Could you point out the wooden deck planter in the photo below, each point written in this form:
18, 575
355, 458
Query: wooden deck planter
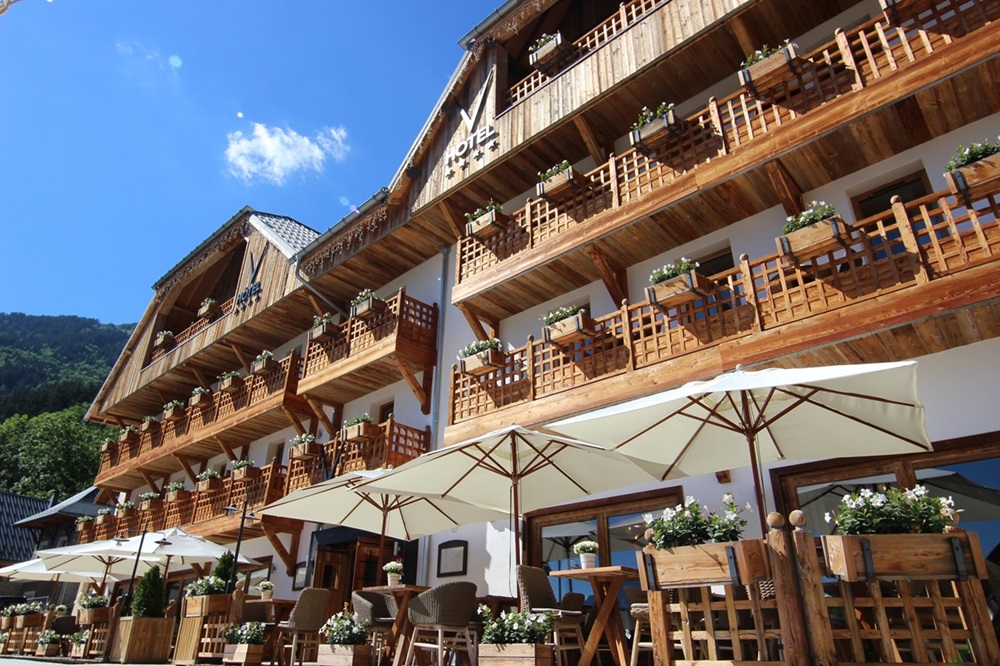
107, 447
655, 130
551, 54
264, 366
856, 558
486, 225
515, 654
569, 330
207, 604
816, 239
344, 655
209, 485
560, 185
94, 615
733, 562
173, 414
324, 331
142, 640
29, 620
178, 495
151, 505
82, 528
246, 474
305, 451
678, 290
211, 312
360, 432
200, 401
49, 650
973, 178
483, 362
248, 655
369, 308
230, 385
78, 650
767, 73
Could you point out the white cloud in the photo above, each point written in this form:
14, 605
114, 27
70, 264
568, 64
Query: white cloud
272, 153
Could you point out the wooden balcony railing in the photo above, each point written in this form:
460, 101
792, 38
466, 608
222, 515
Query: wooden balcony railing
196, 327
878, 49
197, 423
197, 506
394, 445
910, 245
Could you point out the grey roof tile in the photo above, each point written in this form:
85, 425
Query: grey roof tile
17, 543
292, 232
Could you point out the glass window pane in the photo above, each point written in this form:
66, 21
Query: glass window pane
557, 553
975, 489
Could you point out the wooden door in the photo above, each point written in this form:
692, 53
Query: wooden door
333, 571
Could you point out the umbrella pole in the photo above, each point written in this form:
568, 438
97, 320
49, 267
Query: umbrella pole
517, 524
381, 545
752, 444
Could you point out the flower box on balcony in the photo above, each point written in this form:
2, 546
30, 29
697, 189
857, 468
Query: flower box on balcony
104, 519
856, 558
203, 605
126, 513
488, 224
178, 495
816, 239
360, 432
210, 311
769, 72
678, 290
734, 562
94, 615
107, 447
128, 436
28, 620
151, 505
368, 308
567, 331
200, 400
264, 366
515, 654
165, 341
173, 414
149, 426
85, 527
208, 485
967, 179
305, 451
551, 54
344, 655
246, 474
324, 331
230, 384
556, 187
655, 130
483, 363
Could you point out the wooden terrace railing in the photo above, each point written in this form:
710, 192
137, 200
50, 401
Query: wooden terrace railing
171, 436
196, 327
910, 245
875, 50
395, 445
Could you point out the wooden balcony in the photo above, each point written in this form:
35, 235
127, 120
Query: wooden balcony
721, 164
917, 279
257, 409
394, 444
196, 327
372, 352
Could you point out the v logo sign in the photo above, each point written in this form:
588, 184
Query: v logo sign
254, 269
470, 122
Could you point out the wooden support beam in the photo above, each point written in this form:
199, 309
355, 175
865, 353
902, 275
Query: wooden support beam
748, 44
244, 452
287, 555
200, 376
150, 482
317, 409
165, 398
317, 307
476, 320
597, 152
192, 477
788, 191
614, 277
241, 354
294, 420
105, 496
453, 218
228, 450
424, 397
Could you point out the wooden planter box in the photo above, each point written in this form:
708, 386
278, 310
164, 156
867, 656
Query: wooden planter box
483, 362
125, 514
230, 385
733, 562
78, 651
107, 447
360, 432
767, 73
165, 342
29, 620
368, 308
816, 239
209, 484
178, 495
49, 650
208, 604
82, 528
200, 401
515, 654
173, 414
551, 54
246, 474
486, 225
570, 330
210, 311
560, 185
151, 505
93, 615
678, 290
250, 655
142, 640
264, 367
969, 179
6, 622
149, 426
655, 130
892, 556
127, 437
344, 655
104, 519
324, 332
304, 451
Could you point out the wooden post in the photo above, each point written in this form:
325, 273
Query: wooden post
613, 176
844, 46
814, 614
529, 363
909, 240
790, 616
750, 292
659, 627
713, 109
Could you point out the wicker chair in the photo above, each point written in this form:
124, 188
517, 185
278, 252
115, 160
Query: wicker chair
535, 594
440, 618
378, 611
304, 623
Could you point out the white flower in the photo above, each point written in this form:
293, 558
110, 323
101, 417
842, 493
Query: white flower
879, 500
647, 518
727, 498
828, 517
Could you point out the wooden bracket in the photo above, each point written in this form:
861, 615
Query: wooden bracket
241, 354
287, 555
787, 190
423, 396
597, 152
476, 320
228, 450
296, 423
614, 277
200, 376
317, 409
150, 482
453, 218
192, 477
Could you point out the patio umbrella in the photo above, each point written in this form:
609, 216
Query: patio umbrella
96, 556
514, 470
36, 570
174, 546
346, 501
745, 418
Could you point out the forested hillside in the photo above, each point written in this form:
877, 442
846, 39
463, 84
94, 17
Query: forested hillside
50, 370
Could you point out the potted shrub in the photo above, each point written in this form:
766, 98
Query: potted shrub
200, 397
557, 181
245, 471
266, 588
249, 644
104, 516
78, 644
209, 480
767, 66
566, 325
150, 501
303, 446
206, 596
969, 167
689, 547
587, 550
652, 125
176, 492
173, 411
49, 644
816, 230
149, 424
209, 309
164, 340
4, 637
360, 429
393, 572
367, 305
675, 284
84, 524
230, 381
264, 364
232, 639
516, 637
93, 608
125, 510
548, 52
486, 220
323, 327
127, 435
145, 636
481, 357
345, 641
894, 533
27, 615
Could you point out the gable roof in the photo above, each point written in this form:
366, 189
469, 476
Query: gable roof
81, 504
17, 543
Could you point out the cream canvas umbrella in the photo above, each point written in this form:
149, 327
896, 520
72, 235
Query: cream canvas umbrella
96, 556
514, 470
36, 570
743, 418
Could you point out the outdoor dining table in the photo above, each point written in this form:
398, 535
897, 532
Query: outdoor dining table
607, 584
278, 610
401, 628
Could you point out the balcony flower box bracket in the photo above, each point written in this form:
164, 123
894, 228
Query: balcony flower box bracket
361, 432
368, 309
656, 131
766, 74
565, 332
866, 558
305, 451
679, 290
483, 363
975, 179
264, 366
487, 225
816, 239
231, 384
551, 54
558, 187
208, 485
324, 331
246, 474
734, 562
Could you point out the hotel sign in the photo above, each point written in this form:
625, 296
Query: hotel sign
475, 145
252, 293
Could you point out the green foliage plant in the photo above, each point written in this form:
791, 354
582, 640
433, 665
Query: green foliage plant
688, 524
975, 152
229, 374
148, 600
304, 438
364, 418
892, 511
325, 318
516, 627
490, 206
816, 212
364, 296
240, 464
93, 600
152, 495
208, 301
684, 265
344, 628
126, 505
479, 346
84, 519
763, 52
582, 547
264, 356
251, 633
646, 116
174, 486
562, 313
206, 585
224, 569
540, 42
208, 475
49, 637
201, 390
173, 404
554, 170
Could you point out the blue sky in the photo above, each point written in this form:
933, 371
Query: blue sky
131, 130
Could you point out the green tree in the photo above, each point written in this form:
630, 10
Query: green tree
224, 569
148, 600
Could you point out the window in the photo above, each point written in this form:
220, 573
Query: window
879, 200
385, 411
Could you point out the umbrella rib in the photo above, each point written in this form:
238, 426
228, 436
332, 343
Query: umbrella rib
546, 461
687, 445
